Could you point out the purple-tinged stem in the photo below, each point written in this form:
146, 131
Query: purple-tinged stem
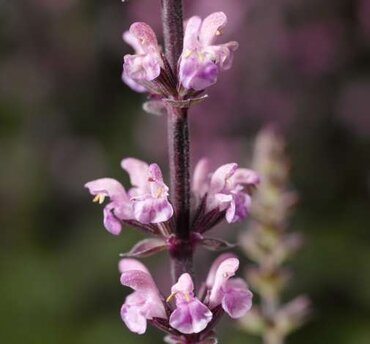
178, 142
173, 30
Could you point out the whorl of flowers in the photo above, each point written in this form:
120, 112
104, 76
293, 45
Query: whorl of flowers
198, 67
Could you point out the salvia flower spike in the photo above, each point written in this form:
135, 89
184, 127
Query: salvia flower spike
178, 216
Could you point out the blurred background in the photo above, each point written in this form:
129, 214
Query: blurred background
66, 118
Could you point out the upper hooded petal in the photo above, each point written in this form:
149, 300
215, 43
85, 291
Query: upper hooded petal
191, 34
145, 36
225, 271
137, 170
128, 264
212, 27
184, 285
130, 39
245, 176
139, 281
107, 187
214, 267
220, 178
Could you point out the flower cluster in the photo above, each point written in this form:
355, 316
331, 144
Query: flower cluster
188, 315
199, 66
225, 193
269, 245
146, 202
184, 312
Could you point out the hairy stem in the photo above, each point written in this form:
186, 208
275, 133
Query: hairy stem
178, 142
178, 139
173, 31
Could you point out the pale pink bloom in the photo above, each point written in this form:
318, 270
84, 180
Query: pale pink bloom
119, 206
190, 315
149, 194
145, 302
146, 202
145, 64
232, 293
225, 189
201, 61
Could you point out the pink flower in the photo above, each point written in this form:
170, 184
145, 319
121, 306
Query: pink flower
190, 315
119, 202
201, 61
149, 194
232, 293
145, 65
147, 202
145, 302
225, 189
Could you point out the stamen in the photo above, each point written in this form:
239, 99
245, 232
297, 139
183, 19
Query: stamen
219, 33
170, 297
187, 297
187, 53
99, 198
159, 192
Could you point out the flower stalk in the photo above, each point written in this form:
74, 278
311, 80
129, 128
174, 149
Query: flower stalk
178, 143
269, 244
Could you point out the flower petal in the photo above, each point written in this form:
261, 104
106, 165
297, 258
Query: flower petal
216, 264
128, 264
190, 317
239, 207
108, 187
139, 281
137, 170
130, 39
197, 73
201, 178
134, 319
225, 270
222, 55
184, 285
245, 176
152, 210
191, 34
111, 222
140, 307
133, 84
220, 178
145, 36
237, 298
212, 27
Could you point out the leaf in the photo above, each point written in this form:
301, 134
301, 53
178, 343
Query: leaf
145, 248
186, 103
214, 244
155, 107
